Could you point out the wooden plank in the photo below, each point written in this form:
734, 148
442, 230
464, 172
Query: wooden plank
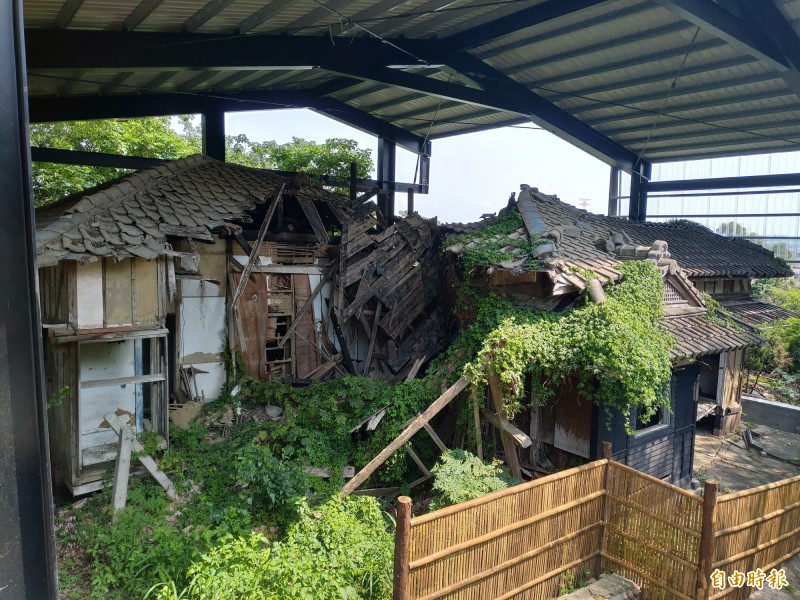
502, 423
307, 355
253, 259
313, 218
476, 417
122, 469
417, 460
89, 295
307, 304
95, 383
406, 435
415, 367
508, 442
117, 423
435, 437
146, 294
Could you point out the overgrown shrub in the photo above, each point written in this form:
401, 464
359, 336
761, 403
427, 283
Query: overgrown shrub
462, 476
338, 550
267, 481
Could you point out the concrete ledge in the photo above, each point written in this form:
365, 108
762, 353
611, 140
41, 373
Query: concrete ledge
608, 587
784, 417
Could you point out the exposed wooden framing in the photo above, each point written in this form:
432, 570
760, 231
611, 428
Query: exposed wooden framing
415, 367
254, 257
435, 437
417, 460
372, 338
508, 442
306, 305
313, 218
337, 329
417, 424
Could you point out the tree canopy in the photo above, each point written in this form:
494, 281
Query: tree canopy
156, 137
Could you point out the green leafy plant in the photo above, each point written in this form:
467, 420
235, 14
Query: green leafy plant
57, 398
267, 480
461, 476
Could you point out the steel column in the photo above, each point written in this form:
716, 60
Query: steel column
213, 125
27, 547
387, 162
613, 192
637, 210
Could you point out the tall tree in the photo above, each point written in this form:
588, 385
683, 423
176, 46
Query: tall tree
157, 137
151, 137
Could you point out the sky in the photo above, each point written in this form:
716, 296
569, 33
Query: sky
471, 174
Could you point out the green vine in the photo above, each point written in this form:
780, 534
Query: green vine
717, 313
616, 351
491, 244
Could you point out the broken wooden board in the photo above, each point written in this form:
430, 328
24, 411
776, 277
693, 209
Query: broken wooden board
406, 435
509, 448
500, 422
116, 423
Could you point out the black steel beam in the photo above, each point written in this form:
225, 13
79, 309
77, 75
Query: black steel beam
27, 546
724, 183
386, 171
147, 105
92, 159
746, 35
542, 12
120, 51
637, 203
118, 161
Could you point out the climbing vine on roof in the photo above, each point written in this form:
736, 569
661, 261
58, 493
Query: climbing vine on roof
617, 351
495, 243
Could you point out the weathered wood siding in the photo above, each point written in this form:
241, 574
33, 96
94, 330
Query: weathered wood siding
111, 294
663, 452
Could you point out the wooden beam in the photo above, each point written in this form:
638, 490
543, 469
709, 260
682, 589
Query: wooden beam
406, 435
254, 258
502, 423
373, 336
122, 469
508, 442
306, 305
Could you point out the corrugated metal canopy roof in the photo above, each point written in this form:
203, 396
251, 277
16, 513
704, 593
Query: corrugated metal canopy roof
597, 73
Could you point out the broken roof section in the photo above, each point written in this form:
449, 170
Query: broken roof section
187, 198
573, 241
571, 246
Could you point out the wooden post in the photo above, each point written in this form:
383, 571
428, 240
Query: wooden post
402, 549
605, 452
353, 182
476, 417
122, 469
508, 442
707, 541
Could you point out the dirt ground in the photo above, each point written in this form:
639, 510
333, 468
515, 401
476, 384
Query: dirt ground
737, 468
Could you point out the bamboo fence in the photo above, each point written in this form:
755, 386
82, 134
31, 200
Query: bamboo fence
652, 533
756, 529
520, 542
512, 543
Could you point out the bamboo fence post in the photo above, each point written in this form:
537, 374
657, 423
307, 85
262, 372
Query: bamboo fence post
402, 549
605, 452
707, 541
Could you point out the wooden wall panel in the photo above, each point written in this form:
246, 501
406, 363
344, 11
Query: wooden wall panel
118, 292
89, 295
253, 311
146, 300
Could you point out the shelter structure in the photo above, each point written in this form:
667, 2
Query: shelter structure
147, 282
628, 81
575, 251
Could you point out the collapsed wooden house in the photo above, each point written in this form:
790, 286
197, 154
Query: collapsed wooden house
707, 357
147, 282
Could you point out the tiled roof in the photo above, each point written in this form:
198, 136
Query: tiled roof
696, 335
589, 241
133, 215
753, 311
